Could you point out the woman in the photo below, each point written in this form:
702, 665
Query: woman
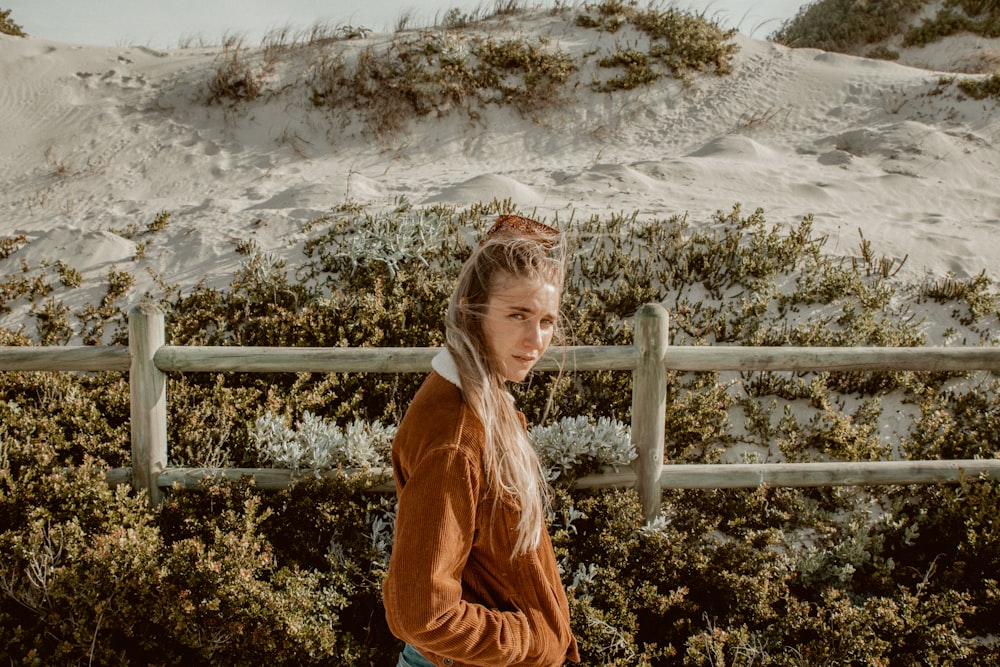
473, 578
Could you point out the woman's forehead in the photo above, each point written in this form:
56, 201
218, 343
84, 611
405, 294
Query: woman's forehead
522, 291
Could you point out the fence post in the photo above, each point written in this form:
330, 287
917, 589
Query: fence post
649, 404
148, 390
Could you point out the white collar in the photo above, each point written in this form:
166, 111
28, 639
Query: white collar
445, 366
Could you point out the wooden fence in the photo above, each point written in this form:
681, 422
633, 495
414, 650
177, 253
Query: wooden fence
148, 359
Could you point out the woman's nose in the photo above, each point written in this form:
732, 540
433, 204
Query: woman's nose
534, 335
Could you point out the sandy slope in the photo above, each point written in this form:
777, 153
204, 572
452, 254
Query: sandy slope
96, 139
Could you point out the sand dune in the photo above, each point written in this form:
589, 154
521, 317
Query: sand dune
99, 139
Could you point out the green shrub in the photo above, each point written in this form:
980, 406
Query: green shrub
463, 66
680, 43
435, 72
230, 574
94, 576
529, 76
11, 244
980, 17
95, 318
159, 222
975, 301
686, 42
846, 26
68, 276
980, 89
976, 7
80, 416
7, 25
637, 70
932, 30
52, 326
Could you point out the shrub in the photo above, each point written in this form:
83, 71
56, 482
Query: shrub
68, 276
79, 416
846, 26
231, 574
637, 70
980, 89
7, 25
463, 66
975, 301
680, 43
981, 17
976, 7
435, 72
52, 326
11, 244
159, 222
686, 42
932, 30
94, 318
119, 584
526, 75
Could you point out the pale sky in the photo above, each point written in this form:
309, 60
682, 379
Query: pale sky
165, 23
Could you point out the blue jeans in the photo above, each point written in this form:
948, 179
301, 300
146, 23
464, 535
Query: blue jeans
410, 657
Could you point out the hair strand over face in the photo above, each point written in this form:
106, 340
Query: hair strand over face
517, 249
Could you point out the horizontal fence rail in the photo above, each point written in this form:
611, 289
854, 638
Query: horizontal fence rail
718, 358
147, 359
68, 358
190, 358
843, 473
274, 479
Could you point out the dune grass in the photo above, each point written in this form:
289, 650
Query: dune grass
469, 63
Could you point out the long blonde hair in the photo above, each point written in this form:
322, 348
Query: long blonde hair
512, 466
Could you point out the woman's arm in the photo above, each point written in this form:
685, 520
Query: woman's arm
435, 529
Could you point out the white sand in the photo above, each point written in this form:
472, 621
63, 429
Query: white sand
95, 139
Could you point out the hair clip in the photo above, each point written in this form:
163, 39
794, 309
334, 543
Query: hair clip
516, 225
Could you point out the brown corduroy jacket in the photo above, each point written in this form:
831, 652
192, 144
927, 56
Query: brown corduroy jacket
453, 591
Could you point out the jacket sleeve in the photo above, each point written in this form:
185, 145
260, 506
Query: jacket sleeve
435, 529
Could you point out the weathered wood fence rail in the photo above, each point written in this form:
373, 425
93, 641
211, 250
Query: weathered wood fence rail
148, 359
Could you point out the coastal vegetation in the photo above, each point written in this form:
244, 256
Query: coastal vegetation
232, 574
780, 576
857, 28
8, 26
846, 26
463, 68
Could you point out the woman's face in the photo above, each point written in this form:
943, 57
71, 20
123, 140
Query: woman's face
519, 323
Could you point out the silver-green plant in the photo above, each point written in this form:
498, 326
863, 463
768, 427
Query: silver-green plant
575, 441
391, 238
316, 444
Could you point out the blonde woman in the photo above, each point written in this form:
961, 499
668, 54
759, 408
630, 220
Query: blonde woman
473, 579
